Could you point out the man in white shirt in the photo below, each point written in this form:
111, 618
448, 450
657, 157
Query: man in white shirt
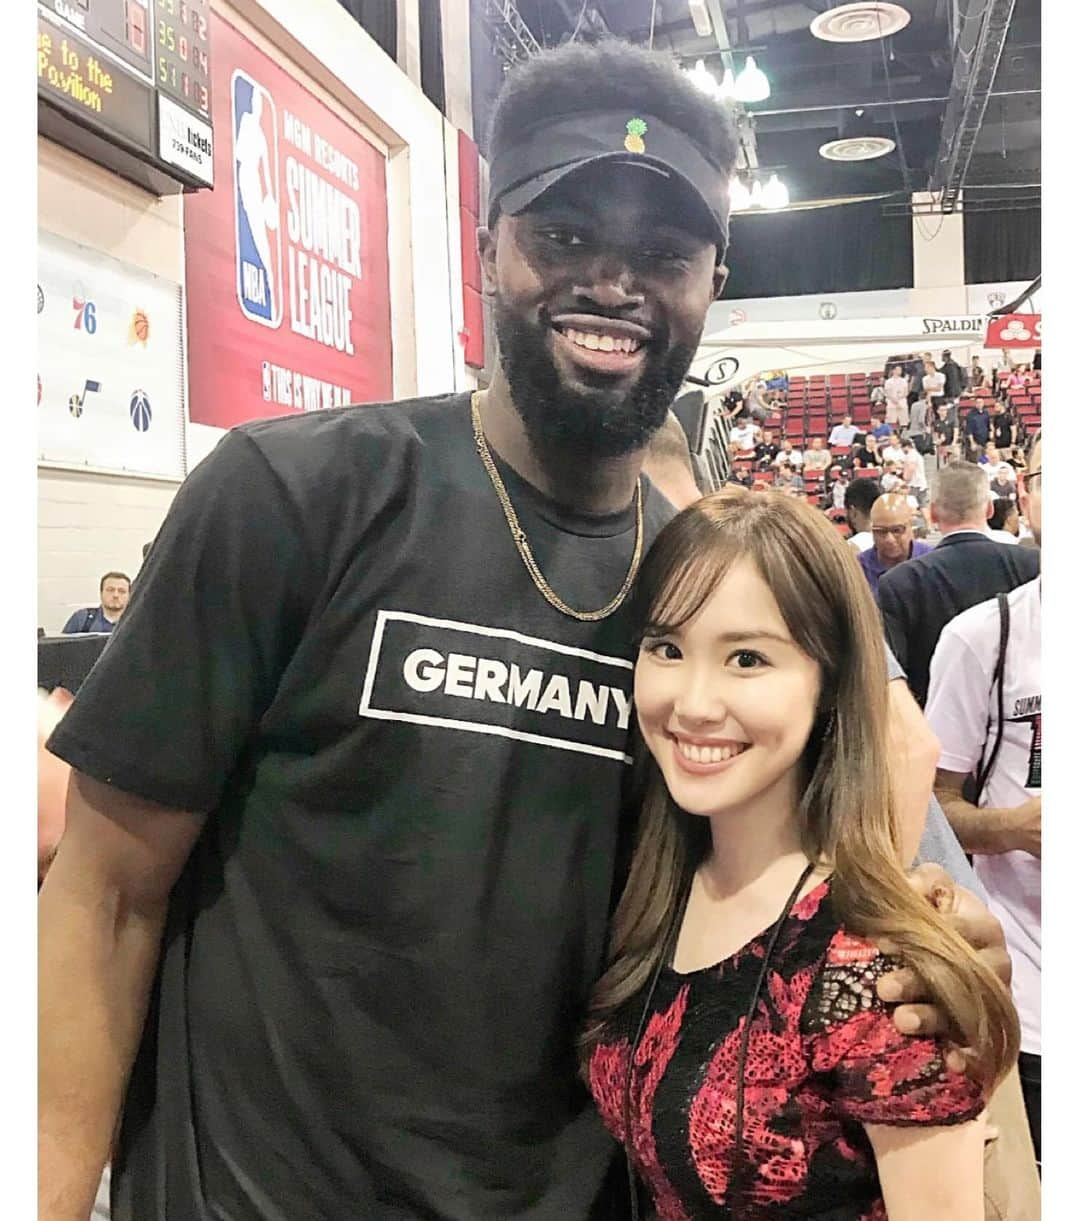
844, 433
913, 471
1003, 830
744, 436
933, 383
891, 451
817, 457
788, 453
896, 398
890, 477
996, 467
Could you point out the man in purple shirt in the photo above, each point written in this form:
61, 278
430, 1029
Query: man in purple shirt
894, 542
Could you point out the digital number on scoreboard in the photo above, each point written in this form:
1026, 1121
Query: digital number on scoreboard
182, 51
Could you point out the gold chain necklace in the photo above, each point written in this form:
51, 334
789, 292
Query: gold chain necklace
522, 543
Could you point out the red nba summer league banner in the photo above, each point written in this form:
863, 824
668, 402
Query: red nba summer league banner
288, 277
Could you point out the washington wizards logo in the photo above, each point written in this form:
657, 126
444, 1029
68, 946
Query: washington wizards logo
140, 411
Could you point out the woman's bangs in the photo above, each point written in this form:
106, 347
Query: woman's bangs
686, 586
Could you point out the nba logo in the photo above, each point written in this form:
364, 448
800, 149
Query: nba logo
255, 202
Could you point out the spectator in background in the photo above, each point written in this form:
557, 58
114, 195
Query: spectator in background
955, 381
965, 568
879, 428
996, 466
858, 501
1004, 523
913, 471
766, 449
877, 399
788, 453
933, 383
1002, 826
890, 526
788, 479
976, 431
735, 407
897, 389
977, 378
890, 476
1002, 427
115, 589
916, 370
844, 433
922, 412
945, 434
760, 403
817, 457
867, 453
891, 451
744, 436
1001, 486
839, 488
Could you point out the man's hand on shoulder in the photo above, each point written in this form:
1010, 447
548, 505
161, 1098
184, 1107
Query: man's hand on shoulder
970, 917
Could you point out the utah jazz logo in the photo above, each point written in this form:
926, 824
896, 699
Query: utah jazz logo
255, 205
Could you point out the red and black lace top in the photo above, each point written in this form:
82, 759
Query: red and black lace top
824, 1059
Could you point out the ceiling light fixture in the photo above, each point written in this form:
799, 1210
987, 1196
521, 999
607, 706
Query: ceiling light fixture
739, 195
751, 85
699, 11
857, 148
727, 86
775, 194
703, 79
862, 21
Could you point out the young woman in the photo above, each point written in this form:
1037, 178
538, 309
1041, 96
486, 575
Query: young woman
735, 1043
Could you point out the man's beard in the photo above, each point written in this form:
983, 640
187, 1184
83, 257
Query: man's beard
604, 423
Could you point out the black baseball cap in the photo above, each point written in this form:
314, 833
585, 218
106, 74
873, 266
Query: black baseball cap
549, 151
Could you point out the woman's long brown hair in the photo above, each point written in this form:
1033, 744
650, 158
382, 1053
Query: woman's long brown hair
847, 813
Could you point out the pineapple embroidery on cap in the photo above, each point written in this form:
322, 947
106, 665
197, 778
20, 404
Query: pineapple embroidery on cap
635, 129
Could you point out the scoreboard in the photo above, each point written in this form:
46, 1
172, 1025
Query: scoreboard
182, 49
127, 82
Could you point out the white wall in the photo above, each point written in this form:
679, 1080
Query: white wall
89, 524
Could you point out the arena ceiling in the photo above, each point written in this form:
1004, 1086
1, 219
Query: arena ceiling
958, 90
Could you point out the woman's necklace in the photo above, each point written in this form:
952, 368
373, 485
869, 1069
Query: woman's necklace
522, 543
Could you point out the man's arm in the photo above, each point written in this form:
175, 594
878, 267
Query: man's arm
894, 616
915, 752
100, 917
989, 830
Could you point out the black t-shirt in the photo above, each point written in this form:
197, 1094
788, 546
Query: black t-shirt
377, 959
1001, 430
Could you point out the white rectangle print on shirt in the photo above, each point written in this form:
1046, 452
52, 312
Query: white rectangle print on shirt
478, 679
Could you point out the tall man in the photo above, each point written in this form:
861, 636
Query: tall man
897, 389
965, 568
113, 591
955, 380
371, 816
976, 430
1004, 830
